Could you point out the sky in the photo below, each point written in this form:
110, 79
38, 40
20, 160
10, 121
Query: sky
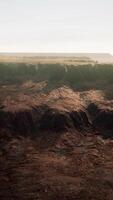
56, 26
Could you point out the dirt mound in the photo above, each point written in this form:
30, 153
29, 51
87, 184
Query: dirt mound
64, 99
43, 118
61, 109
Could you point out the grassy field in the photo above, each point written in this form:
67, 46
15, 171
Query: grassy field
81, 77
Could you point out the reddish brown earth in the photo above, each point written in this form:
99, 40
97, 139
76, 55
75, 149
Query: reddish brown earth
56, 145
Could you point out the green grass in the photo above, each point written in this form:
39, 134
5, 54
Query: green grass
78, 77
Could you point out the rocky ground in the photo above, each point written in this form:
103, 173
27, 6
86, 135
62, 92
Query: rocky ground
56, 144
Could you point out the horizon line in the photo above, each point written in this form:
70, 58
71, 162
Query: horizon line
49, 52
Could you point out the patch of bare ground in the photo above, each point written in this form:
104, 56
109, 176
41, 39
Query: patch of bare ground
69, 167
52, 145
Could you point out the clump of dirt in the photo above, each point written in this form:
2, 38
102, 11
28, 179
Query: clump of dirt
59, 110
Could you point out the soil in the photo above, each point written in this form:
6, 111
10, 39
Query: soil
55, 145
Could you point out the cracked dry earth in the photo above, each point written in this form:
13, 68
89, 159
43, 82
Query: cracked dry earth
56, 145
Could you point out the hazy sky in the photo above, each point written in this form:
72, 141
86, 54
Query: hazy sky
56, 26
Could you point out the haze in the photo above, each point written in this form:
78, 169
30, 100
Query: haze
56, 26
